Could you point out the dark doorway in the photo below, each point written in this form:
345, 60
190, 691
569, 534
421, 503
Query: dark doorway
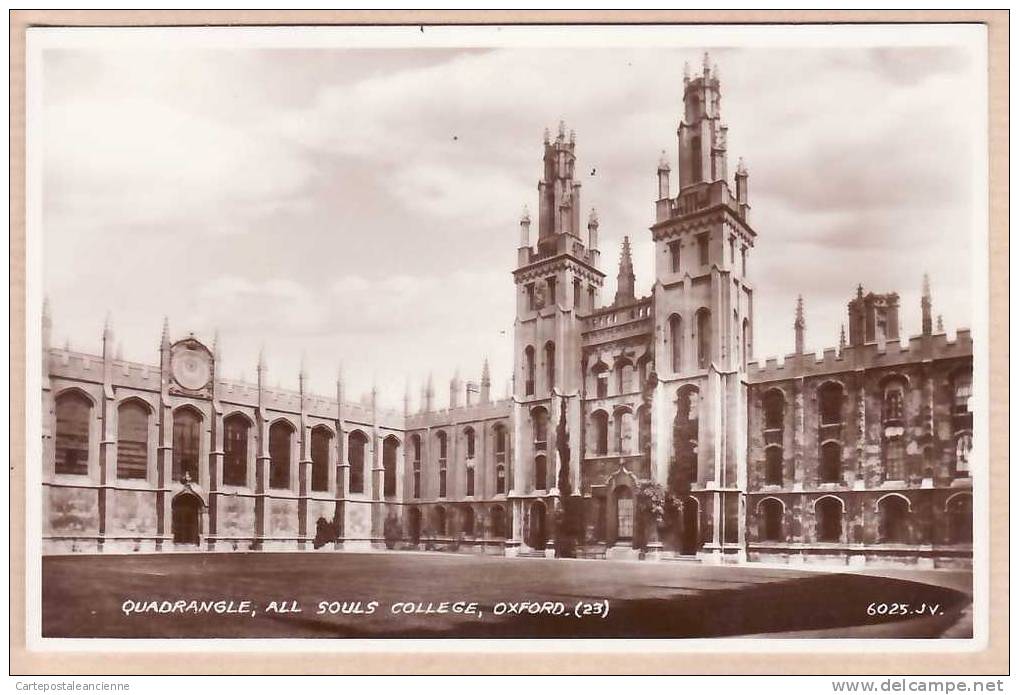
414, 523
186, 518
691, 527
538, 534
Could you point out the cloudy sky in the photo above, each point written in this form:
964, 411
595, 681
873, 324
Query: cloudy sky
360, 206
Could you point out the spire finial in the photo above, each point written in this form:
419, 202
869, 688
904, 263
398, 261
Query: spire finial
741, 167
798, 326
625, 279
686, 70
926, 285
926, 306
215, 344
562, 128
546, 136
842, 337
525, 216
706, 63
663, 162
592, 219
261, 358
486, 376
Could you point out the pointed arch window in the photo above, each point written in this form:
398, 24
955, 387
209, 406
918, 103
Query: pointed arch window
187, 434
773, 465
280, 445
831, 463
415, 441
539, 425
132, 440
893, 513
357, 444
321, 439
390, 449
771, 513
74, 416
550, 364
703, 338
442, 439
828, 513
529, 371
600, 420
469, 442
540, 472
235, 450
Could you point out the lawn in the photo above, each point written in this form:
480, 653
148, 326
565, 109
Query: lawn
84, 596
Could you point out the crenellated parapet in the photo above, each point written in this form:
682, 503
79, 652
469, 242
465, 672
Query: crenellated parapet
874, 355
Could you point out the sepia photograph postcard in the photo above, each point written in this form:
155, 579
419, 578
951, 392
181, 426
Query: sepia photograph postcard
342, 343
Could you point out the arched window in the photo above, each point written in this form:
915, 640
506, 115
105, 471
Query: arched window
830, 400
644, 428
774, 410
688, 404
624, 376
187, 437
321, 439
962, 387
357, 444
500, 479
235, 450
440, 521
280, 434
500, 440
469, 441
550, 364
623, 418
771, 512
600, 421
470, 481
676, 341
468, 521
540, 473
830, 470
601, 379
73, 415
415, 442
132, 440
895, 459
498, 522
892, 410
539, 425
960, 519
442, 438
703, 338
747, 351
390, 449
963, 446
529, 371
894, 520
443, 443
828, 512
773, 465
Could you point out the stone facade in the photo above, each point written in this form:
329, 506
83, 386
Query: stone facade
859, 455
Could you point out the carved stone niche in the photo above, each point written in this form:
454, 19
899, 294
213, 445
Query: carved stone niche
191, 367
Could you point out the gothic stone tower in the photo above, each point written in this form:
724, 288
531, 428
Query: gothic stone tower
703, 316
557, 280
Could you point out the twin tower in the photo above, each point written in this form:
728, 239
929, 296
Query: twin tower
687, 345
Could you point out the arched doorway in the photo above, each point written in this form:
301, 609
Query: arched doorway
624, 515
187, 509
690, 534
538, 534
